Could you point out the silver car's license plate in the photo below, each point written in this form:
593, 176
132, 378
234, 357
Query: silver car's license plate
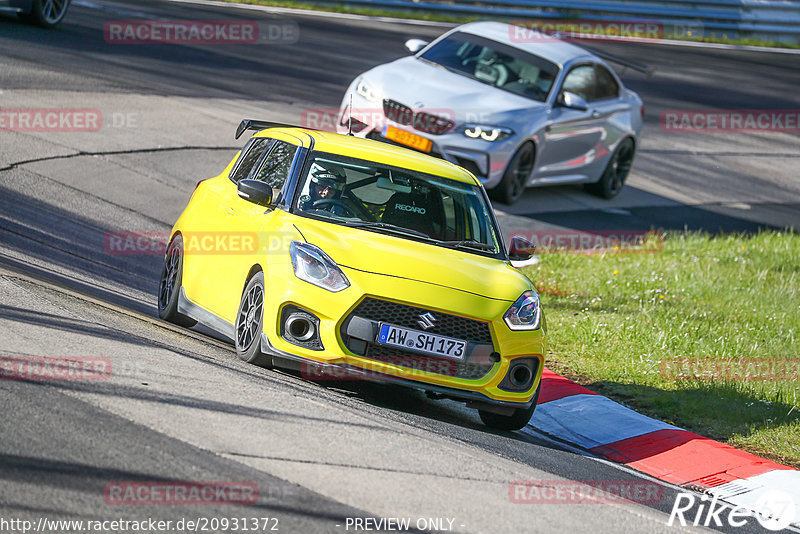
396, 336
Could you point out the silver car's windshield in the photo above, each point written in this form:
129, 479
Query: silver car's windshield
494, 64
399, 202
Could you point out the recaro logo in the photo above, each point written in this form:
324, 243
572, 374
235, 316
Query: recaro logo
413, 209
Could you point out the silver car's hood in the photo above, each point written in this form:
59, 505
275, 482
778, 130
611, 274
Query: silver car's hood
412, 82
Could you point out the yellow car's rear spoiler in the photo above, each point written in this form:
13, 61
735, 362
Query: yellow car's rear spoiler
252, 124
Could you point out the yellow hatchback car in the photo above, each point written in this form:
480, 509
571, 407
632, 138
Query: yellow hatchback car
349, 258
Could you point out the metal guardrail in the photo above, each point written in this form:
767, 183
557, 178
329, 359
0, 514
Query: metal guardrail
771, 20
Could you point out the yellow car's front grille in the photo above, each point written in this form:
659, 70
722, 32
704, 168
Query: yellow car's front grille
409, 316
381, 311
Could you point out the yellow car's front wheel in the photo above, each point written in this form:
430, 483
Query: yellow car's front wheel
514, 421
250, 323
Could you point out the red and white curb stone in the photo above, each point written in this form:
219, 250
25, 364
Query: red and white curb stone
574, 414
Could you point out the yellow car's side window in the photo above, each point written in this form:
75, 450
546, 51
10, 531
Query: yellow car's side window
252, 154
276, 166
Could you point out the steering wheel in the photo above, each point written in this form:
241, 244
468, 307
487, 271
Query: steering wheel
471, 59
333, 204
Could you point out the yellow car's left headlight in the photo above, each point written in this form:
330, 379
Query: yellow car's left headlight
525, 313
312, 265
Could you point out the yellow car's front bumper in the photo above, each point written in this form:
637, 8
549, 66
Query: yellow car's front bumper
347, 324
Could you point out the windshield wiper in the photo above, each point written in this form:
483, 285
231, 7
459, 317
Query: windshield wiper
468, 243
388, 227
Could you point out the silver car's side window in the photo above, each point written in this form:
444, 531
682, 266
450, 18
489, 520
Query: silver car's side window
581, 81
607, 86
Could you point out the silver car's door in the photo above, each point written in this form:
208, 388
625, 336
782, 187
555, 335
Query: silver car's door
574, 137
615, 112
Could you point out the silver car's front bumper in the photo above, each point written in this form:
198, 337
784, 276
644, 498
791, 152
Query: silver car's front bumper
486, 160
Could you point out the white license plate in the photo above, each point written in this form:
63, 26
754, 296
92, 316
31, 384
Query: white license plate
416, 341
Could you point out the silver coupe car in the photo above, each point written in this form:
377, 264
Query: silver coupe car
516, 108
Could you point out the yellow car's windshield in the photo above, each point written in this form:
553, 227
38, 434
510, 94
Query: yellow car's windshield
397, 201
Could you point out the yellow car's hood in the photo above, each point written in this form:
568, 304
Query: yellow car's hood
356, 249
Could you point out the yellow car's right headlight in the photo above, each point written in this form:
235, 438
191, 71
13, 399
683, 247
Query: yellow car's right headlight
312, 265
525, 313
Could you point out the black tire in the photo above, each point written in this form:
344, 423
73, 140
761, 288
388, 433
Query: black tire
47, 13
619, 166
169, 286
250, 323
519, 169
515, 421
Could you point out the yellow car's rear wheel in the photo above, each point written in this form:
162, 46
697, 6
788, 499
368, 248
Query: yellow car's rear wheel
169, 286
250, 323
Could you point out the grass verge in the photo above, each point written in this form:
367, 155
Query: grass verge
684, 334
462, 19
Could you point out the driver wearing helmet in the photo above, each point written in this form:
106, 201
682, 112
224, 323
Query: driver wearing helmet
326, 184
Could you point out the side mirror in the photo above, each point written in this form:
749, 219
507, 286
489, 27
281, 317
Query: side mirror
415, 45
255, 191
572, 101
521, 249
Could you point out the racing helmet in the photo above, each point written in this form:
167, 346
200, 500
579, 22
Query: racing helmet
332, 178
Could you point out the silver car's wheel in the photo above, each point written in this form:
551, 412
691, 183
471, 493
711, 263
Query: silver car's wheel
48, 13
516, 176
616, 172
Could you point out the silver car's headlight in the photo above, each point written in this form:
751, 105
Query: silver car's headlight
487, 133
525, 313
315, 267
365, 90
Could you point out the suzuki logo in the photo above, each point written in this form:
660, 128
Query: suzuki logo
427, 321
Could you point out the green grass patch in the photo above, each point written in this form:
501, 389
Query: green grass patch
617, 322
420, 14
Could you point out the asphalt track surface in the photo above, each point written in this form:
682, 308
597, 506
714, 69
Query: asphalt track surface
180, 406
